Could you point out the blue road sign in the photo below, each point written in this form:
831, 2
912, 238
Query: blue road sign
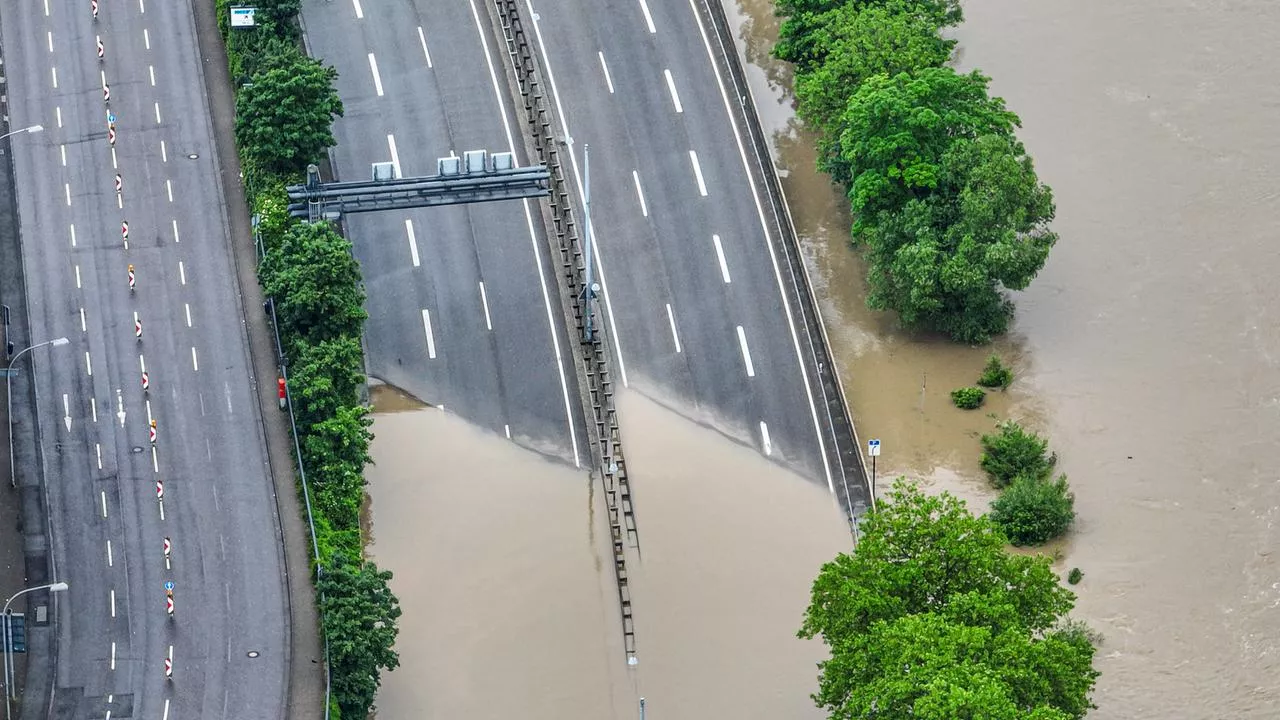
168, 585
873, 447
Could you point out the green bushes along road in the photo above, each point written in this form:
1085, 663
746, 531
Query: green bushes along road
945, 200
285, 106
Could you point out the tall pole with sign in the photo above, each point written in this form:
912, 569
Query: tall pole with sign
873, 449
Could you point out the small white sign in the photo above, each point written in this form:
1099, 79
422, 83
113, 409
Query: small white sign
873, 447
242, 16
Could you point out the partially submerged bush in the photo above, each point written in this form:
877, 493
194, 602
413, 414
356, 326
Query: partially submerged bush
1033, 511
1013, 452
995, 374
968, 398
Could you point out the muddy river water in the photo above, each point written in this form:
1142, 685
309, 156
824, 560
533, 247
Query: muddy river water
1148, 350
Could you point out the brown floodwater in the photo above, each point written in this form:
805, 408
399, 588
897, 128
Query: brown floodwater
1149, 347
510, 608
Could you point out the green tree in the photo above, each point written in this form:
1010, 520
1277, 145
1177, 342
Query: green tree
284, 119
895, 131
1012, 452
930, 617
944, 259
803, 37
315, 281
336, 451
324, 376
858, 44
360, 615
1033, 511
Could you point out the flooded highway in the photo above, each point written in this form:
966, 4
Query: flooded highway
1148, 351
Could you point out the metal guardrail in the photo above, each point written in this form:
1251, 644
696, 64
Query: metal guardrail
564, 228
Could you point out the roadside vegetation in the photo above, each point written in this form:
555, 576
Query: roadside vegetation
946, 202
285, 107
930, 617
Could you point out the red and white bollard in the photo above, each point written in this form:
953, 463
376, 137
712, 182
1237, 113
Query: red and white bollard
124, 230
168, 604
168, 551
160, 490
111, 136
168, 668
152, 431
94, 4
106, 93
101, 50
132, 279
146, 381
281, 389
119, 184
137, 327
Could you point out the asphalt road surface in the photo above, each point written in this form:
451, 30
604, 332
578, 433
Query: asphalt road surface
692, 277
228, 637
462, 304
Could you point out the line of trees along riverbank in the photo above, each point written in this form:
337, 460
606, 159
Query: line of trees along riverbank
946, 201
285, 107
930, 616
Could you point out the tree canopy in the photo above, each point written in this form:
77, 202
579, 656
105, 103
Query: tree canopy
942, 193
895, 131
944, 259
316, 283
359, 615
930, 617
284, 116
857, 44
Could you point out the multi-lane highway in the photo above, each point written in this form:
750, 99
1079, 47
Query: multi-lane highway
126, 253
463, 310
695, 285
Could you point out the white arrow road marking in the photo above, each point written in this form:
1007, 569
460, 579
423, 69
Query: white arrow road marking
120, 406
66, 411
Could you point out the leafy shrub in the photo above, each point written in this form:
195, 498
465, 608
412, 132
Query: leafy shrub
1032, 511
1013, 452
1075, 576
968, 398
995, 374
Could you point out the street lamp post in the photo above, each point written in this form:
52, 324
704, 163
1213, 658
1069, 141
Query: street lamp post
8, 392
28, 129
8, 640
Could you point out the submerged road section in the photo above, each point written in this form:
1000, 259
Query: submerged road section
162, 511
